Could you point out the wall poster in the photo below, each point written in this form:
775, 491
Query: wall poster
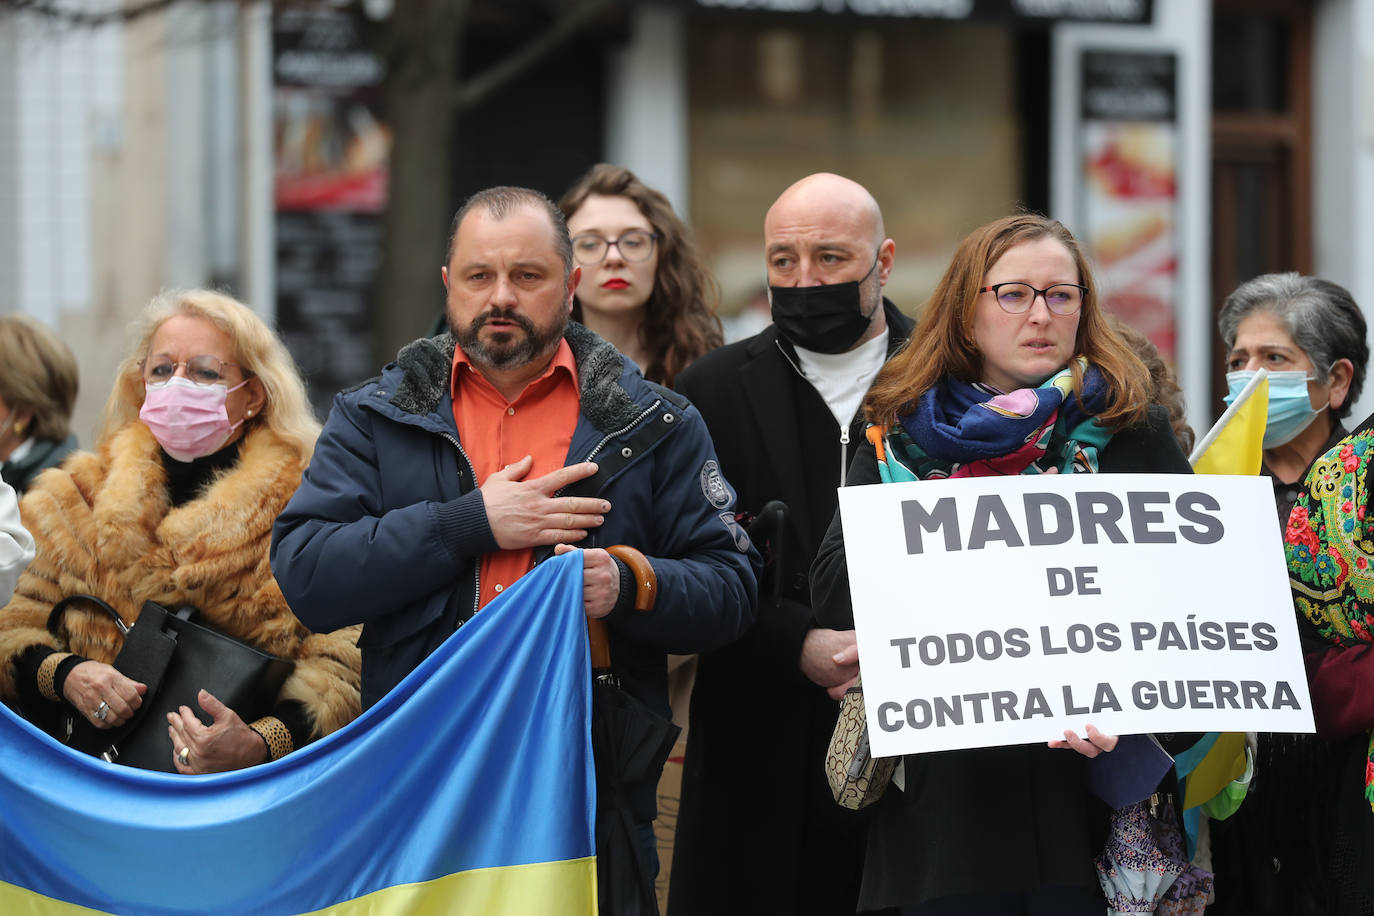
1130, 186
330, 147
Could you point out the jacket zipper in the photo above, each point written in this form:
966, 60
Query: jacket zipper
844, 430
619, 432
477, 567
623, 430
592, 536
844, 453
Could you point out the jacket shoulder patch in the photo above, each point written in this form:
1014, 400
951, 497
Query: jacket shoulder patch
713, 485
737, 532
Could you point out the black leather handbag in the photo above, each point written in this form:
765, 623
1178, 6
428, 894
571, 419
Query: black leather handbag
177, 657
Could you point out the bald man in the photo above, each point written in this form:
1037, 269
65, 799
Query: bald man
758, 830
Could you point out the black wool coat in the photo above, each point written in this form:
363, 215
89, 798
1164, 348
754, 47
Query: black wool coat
992, 820
758, 830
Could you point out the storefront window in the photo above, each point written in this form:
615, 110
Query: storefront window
924, 114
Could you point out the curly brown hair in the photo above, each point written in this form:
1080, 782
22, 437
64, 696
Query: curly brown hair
943, 345
680, 321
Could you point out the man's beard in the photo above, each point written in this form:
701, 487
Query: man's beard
512, 348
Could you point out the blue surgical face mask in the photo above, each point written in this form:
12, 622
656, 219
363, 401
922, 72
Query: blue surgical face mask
1290, 405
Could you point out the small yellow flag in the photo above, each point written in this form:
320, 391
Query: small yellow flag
1222, 764
1235, 445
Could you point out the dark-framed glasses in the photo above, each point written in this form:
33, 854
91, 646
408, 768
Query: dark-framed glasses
202, 370
1016, 298
635, 245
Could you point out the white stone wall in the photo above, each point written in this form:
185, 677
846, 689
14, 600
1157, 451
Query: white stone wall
1343, 155
61, 93
60, 88
123, 167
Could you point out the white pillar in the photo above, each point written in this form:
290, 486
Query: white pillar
1343, 155
646, 105
223, 177
10, 179
186, 192
258, 246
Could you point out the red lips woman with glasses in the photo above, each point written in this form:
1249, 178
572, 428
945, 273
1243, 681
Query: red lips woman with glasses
644, 287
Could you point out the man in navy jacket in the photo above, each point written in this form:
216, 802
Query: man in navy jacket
398, 513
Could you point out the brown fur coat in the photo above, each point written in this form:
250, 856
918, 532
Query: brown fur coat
103, 526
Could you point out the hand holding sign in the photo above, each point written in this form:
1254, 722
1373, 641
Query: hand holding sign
1095, 743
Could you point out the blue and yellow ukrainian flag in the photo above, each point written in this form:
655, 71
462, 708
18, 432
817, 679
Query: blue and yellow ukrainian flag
467, 789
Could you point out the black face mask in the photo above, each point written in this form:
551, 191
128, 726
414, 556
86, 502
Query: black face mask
826, 319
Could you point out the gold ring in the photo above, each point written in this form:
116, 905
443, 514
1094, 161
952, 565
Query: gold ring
184, 756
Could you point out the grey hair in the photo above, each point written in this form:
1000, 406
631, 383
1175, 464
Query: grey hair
1320, 316
503, 200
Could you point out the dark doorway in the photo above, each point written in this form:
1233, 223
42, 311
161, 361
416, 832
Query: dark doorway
1261, 148
543, 129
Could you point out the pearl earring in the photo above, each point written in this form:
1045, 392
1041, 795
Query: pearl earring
248, 413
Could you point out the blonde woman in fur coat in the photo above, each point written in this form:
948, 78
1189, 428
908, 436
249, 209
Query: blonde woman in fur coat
203, 442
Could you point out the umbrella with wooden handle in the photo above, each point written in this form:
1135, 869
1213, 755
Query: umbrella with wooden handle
646, 590
630, 742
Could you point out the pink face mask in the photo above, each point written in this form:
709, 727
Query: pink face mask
188, 420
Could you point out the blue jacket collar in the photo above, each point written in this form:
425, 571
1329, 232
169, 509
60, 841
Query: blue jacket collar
416, 385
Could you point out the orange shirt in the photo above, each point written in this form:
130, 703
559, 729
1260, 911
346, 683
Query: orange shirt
496, 433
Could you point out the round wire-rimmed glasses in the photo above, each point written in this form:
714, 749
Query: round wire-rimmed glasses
202, 370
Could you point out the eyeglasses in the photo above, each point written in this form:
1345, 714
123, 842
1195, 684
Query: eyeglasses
635, 245
1016, 298
202, 370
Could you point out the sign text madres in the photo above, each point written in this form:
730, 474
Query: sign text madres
1048, 519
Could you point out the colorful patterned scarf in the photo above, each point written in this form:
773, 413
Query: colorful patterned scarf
972, 430
1329, 544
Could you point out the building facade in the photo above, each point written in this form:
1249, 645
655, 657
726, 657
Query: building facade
139, 155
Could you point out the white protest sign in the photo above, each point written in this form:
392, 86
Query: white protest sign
1004, 610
